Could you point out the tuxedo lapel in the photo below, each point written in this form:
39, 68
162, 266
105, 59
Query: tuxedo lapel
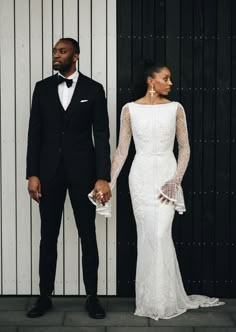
79, 94
51, 97
55, 94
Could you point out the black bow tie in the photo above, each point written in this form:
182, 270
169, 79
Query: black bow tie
61, 79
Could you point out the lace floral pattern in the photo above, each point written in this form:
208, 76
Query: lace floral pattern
159, 288
170, 188
123, 145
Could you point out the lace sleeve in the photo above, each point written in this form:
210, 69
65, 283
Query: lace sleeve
123, 145
183, 144
171, 187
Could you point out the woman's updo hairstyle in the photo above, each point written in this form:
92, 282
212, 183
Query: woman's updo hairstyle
143, 70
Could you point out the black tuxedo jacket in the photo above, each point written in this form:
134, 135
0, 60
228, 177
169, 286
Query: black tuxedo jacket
81, 141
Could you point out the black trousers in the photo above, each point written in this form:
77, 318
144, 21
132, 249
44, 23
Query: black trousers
51, 208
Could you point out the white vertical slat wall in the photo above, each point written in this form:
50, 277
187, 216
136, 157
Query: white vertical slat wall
28, 31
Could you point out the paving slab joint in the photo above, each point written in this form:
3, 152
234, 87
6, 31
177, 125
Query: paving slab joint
63, 319
232, 317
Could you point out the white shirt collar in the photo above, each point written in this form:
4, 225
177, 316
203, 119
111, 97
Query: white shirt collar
73, 76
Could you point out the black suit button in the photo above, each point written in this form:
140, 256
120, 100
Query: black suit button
59, 149
62, 133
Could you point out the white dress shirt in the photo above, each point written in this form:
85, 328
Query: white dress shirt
65, 93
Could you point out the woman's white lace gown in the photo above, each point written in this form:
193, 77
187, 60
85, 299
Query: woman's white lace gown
159, 288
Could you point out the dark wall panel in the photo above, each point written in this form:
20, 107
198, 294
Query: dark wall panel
196, 39
231, 242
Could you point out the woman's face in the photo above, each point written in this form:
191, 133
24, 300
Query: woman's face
161, 82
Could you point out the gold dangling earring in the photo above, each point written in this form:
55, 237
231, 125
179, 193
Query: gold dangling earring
152, 92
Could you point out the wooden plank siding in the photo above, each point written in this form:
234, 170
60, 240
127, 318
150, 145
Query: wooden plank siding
29, 29
196, 39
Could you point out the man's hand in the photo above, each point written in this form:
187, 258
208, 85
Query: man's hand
34, 188
102, 191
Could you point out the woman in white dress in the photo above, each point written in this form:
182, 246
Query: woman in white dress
155, 186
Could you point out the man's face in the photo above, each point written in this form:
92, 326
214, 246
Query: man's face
64, 56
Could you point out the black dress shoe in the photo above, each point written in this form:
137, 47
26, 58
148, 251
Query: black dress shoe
94, 308
40, 307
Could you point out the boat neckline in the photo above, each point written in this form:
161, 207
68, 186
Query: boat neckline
133, 102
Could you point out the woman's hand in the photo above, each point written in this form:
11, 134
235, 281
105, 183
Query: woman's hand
169, 192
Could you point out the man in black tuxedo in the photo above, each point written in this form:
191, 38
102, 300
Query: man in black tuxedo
68, 111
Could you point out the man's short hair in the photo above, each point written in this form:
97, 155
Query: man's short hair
74, 43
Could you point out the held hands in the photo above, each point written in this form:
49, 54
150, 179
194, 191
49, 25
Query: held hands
102, 191
34, 188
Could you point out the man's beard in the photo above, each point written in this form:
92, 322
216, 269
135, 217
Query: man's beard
63, 67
